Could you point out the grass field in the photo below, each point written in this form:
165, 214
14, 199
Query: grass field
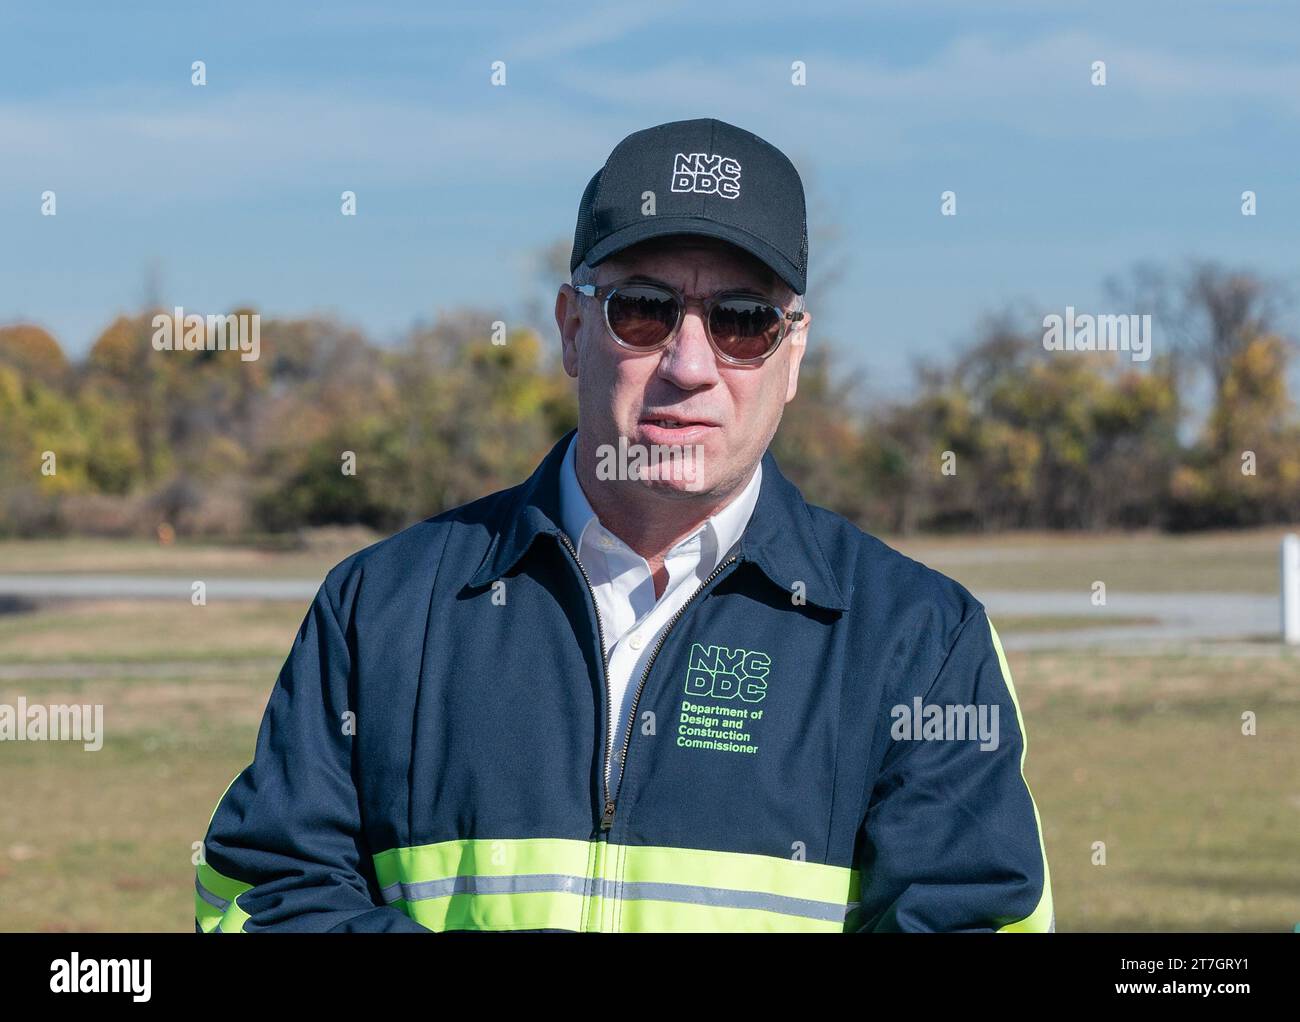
1245, 561
1201, 824
180, 560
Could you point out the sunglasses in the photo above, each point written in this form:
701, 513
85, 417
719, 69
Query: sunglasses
743, 328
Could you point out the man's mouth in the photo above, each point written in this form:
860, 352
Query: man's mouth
675, 422
673, 430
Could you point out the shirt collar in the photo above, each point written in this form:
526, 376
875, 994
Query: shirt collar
576, 513
723, 529
780, 538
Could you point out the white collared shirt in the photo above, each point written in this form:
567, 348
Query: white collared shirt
630, 616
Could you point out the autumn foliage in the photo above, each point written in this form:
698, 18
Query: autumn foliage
1004, 435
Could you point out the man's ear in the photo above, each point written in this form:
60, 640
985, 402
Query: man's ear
798, 341
568, 318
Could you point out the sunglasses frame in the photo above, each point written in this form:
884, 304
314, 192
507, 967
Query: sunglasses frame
604, 292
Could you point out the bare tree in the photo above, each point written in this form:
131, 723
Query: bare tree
1210, 312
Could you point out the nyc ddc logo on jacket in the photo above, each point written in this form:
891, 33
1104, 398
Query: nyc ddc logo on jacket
436, 753
727, 673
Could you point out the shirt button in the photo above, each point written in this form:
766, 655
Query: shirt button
606, 543
636, 642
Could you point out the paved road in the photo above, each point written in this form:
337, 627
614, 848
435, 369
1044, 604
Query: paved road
1183, 617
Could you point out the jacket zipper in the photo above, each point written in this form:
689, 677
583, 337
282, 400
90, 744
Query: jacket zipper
607, 815
608, 812
607, 820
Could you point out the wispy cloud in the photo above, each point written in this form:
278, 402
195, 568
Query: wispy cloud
1038, 86
122, 143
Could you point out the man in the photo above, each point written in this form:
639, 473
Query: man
650, 688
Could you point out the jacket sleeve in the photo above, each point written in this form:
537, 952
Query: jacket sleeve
285, 848
952, 838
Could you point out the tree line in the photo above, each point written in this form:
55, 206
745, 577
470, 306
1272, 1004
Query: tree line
327, 427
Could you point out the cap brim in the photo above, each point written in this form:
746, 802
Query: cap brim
661, 227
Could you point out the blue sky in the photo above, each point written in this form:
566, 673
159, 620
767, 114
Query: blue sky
229, 194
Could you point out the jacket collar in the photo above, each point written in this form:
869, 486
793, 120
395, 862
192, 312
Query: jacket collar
779, 539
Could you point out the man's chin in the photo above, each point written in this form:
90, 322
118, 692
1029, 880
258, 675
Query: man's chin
671, 482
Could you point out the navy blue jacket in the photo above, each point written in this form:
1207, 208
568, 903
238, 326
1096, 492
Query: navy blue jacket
801, 755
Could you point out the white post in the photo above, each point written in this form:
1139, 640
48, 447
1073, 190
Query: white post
1291, 589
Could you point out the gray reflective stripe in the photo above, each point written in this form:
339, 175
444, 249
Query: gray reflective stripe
532, 883
524, 883
209, 897
720, 897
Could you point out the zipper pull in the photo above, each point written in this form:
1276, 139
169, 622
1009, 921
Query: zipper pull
607, 817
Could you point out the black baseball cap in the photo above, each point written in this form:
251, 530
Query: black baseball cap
709, 178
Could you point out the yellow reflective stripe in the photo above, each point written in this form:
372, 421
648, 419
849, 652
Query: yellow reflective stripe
851, 919
1041, 919
215, 906
234, 919
482, 857
213, 815
678, 917
599, 916
222, 886
556, 883
230, 917
537, 910
769, 874
207, 916
855, 886
492, 883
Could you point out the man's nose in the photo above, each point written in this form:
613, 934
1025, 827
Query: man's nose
687, 361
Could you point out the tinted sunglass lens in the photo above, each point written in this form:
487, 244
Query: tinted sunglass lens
641, 316
744, 328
